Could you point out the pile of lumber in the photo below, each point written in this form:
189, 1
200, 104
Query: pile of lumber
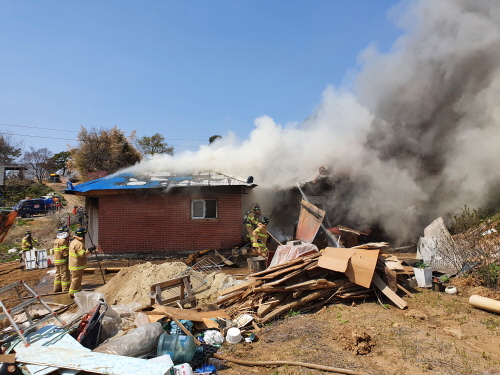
335, 275
299, 285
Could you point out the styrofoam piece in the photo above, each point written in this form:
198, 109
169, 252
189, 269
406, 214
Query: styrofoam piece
163, 359
243, 320
423, 276
99, 363
30, 259
64, 341
41, 258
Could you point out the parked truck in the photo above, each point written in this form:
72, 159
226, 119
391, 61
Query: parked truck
31, 207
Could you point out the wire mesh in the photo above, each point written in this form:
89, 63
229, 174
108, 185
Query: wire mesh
199, 274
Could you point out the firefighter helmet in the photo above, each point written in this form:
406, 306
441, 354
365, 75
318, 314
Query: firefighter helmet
264, 221
81, 232
256, 208
63, 229
27, 233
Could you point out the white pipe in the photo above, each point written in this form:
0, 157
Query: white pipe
485, 303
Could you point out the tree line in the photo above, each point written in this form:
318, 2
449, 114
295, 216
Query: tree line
99, 152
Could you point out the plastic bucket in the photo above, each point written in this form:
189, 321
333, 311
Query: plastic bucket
180, 348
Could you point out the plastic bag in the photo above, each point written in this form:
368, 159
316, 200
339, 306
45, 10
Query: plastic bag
141, 319
110, 327
127, 310
137, 342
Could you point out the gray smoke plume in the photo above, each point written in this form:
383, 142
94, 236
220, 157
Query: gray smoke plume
417, 139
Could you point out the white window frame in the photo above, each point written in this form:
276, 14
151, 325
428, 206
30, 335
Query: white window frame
193, 201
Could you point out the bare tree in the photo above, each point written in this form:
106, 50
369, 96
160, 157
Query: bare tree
38, 162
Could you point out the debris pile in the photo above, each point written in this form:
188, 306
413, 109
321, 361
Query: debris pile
300, 285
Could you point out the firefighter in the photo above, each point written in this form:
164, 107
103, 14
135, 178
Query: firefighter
61, 253
260, 236
251, 220
78, 260
27, 244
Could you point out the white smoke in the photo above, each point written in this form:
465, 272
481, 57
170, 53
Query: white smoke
420, 131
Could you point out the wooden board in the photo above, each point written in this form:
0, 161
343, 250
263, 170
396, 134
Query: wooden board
214, 314
283, 271
245, 285
360, 263
310, 219
187, 314
379, 283
154, 318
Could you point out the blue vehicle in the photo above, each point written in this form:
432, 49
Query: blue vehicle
31, 207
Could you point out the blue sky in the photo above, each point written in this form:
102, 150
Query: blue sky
185, 69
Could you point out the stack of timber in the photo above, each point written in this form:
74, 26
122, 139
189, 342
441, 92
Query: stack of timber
336, 275
299, 285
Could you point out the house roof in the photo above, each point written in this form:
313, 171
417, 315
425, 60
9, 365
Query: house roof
157, 180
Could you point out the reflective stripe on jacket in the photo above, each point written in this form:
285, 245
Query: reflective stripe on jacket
61, 250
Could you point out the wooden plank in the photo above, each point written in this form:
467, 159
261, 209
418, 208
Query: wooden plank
379, 283
245, 285
229, 297
391, 277
214, 314
186, 314
283, 271
269, 305
172, 282
289, 276
310, 219
284, 265
406, 291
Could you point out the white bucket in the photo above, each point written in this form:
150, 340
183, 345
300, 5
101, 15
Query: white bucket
424, 277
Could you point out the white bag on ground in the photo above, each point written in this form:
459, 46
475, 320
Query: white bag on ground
137, 342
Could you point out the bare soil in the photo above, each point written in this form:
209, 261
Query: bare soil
437, 334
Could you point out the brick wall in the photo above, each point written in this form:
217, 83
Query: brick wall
134, 224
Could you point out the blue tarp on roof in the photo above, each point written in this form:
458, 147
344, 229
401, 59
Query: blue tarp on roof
157, 180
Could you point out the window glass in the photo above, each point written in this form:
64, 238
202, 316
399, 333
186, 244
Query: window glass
198, 209
211, 209
204, 209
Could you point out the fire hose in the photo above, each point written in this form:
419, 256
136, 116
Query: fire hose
279, 363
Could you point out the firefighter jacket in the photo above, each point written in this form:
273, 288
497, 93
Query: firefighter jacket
260, 236
77, 254
61, 251
27, 243
252, 220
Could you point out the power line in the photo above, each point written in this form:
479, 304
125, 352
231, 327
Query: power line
36, 127
76, 140
75, 131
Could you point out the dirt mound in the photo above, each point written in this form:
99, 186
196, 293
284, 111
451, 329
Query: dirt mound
132, 284
358, 342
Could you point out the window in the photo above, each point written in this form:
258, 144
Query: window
204, 209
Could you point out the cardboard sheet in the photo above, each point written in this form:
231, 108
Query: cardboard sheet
357, 264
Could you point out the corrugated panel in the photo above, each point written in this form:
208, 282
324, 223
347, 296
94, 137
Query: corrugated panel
158, 180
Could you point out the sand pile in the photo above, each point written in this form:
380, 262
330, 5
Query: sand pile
132, 284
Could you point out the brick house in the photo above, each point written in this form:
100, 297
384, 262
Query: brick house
162, 212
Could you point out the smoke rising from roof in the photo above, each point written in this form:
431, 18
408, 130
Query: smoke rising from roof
417, 139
